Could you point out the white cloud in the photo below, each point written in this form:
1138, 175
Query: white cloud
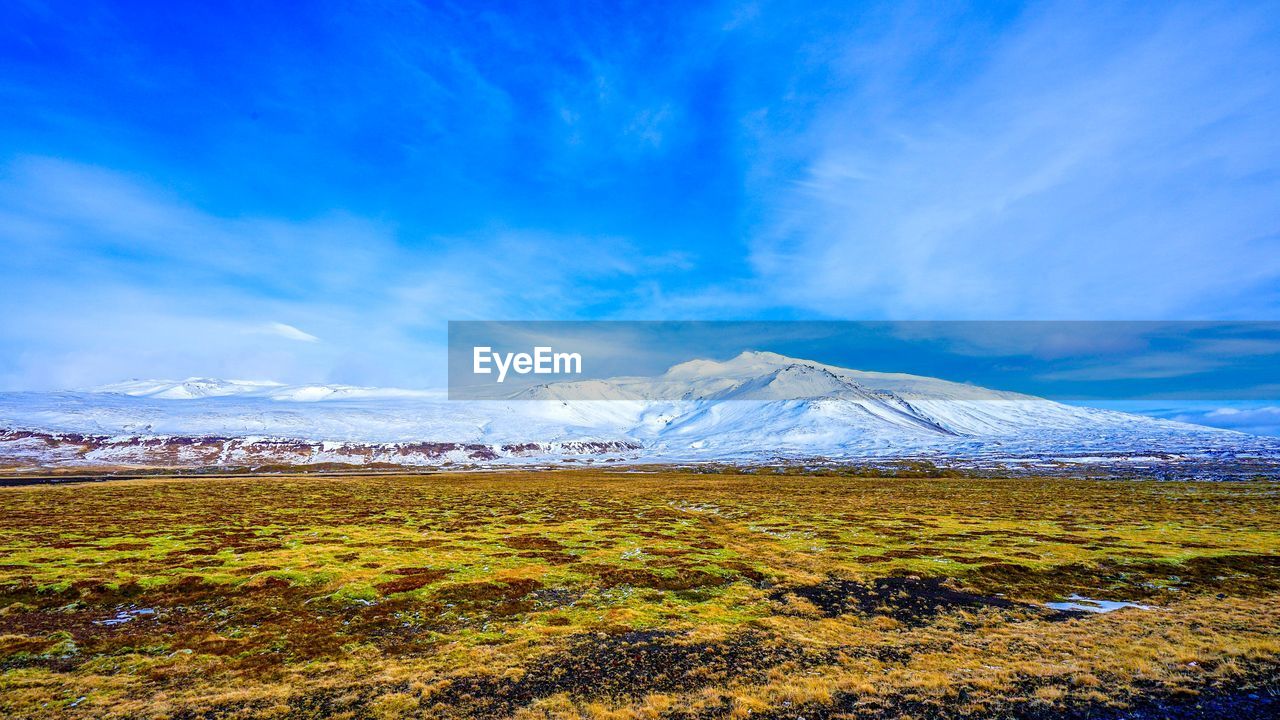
288, 332
117, 279
1258, 420
1074, 166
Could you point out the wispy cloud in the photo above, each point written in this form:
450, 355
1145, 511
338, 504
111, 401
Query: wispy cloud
1142, 367
287, 332
123, 279
1075, 163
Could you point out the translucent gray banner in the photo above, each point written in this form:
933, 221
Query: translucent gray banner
1148, 361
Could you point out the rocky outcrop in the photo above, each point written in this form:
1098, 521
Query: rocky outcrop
28, 449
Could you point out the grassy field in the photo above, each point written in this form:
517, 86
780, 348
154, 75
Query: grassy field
628, 595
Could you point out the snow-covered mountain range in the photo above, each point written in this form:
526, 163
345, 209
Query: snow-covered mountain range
754, 407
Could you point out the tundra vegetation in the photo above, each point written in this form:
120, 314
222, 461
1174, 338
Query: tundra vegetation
665, 594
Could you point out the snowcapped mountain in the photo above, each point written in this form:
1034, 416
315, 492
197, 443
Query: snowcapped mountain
754, 407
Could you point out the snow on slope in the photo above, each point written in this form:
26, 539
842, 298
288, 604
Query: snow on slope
754, 406
193, 388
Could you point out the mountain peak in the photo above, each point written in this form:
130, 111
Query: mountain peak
766, 356
747, 363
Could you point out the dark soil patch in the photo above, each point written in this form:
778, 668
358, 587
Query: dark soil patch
626, 665
532, 542
411, 580
418, 571
746, 571
906, 599
500, 598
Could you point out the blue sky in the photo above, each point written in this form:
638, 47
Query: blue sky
308, 193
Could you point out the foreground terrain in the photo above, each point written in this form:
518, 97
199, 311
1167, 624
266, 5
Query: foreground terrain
628, 594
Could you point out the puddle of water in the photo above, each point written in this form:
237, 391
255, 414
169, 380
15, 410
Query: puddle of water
124, 616
1080, 603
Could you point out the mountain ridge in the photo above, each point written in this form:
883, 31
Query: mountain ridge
755, 405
